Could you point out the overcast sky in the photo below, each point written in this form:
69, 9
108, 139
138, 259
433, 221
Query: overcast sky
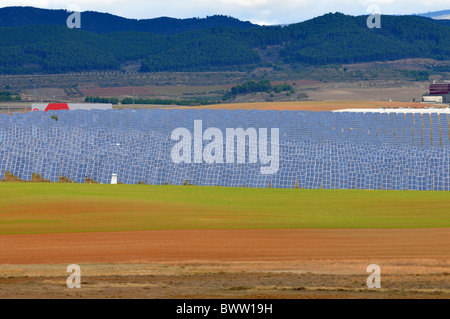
256, 11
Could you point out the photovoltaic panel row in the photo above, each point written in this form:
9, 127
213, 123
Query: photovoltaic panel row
317, 149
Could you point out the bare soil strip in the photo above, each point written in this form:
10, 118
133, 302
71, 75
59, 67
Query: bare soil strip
225, 281
285, 263
224, 245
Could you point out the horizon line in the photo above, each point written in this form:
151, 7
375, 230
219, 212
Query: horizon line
227, 15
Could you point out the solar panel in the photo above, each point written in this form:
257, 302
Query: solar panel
316, 149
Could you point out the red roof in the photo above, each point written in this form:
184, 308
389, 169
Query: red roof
56, 107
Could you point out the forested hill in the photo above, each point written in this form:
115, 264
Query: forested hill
329, 39
105, 23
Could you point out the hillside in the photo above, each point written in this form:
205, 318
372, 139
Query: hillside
329, 39
98, 22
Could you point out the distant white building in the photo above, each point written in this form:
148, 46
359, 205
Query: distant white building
69, 106
436, 98
398, 110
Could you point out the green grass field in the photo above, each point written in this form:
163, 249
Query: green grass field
27, 208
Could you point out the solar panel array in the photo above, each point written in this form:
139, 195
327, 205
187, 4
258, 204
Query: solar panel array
317, 149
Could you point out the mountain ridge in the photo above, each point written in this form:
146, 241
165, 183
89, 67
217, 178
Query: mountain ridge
99, 22
329, 39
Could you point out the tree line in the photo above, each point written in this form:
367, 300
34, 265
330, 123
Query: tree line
259, 86
10, 96
244, 88
154, 101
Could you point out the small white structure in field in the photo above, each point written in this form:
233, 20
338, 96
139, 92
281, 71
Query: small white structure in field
114, 179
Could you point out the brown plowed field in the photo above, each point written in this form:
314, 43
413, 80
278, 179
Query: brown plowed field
268, 263
310, 105
224, 245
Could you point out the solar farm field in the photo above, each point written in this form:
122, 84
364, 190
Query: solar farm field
201, 210
311, 150
208, 242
